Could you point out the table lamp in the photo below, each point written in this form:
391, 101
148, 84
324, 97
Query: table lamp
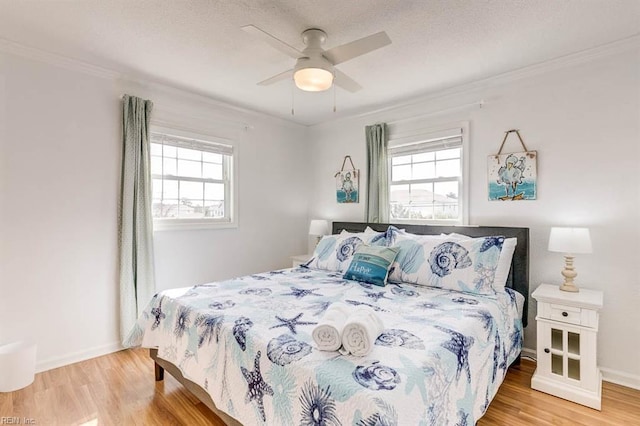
319, 228
569, 241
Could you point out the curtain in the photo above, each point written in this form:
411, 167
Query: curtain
137, 284
377, 210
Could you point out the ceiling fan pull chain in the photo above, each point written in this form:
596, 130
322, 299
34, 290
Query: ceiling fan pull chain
334, 98
293, 89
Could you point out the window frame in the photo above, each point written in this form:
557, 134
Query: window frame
414, 137
230, 168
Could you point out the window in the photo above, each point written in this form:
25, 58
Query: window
192, 182
426, 177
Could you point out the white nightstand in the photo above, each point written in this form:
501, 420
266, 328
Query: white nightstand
299, 259
567, 344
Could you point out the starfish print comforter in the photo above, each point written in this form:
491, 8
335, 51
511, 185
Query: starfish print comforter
247, 342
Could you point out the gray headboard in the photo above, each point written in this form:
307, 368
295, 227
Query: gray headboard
518, 275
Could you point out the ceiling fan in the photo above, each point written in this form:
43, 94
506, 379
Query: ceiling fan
315, 70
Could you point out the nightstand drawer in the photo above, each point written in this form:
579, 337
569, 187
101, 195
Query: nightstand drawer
563, 313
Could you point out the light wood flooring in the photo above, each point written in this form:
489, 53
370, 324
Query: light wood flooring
119, 389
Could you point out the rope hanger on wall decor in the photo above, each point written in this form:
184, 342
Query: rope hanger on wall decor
344, 161
506, 135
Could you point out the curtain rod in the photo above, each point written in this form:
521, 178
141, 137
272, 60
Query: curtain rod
479, 104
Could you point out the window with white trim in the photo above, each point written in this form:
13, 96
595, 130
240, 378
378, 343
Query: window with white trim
426, 177
192, 181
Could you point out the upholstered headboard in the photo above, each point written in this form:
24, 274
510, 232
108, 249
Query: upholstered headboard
518, 275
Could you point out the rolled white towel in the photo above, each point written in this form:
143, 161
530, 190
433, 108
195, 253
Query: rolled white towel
361, 331
328, 333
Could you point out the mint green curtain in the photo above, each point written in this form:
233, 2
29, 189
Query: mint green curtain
137, 284
377, 210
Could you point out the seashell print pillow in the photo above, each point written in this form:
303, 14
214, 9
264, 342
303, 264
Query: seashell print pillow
504, 263
467, 265
334, 252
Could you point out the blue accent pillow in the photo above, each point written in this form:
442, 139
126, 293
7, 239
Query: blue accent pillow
370, 264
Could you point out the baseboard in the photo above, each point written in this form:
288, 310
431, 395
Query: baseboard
620, 378
608, 374
61, 361
529, 353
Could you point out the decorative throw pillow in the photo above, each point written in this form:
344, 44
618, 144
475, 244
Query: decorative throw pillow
467, 265
370, 264
334, 252
405, 241
504, 263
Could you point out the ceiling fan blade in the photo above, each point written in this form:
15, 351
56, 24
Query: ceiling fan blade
274, 42
357, 48
276, 78
346, 82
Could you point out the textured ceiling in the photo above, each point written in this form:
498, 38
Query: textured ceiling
198, 45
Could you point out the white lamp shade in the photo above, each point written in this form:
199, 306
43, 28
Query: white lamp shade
319, 227
570, 240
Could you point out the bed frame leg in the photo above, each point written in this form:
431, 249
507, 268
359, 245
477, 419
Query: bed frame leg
159, 373
517, 361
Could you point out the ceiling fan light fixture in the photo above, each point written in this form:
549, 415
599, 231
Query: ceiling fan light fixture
313, 79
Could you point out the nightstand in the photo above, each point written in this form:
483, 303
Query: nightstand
299, 260
567, 327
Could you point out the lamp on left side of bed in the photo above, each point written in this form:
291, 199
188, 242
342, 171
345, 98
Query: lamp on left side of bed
318, 228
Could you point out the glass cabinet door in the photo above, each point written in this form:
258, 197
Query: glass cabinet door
564, 350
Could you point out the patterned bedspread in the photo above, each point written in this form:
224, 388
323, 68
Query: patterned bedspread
247, 342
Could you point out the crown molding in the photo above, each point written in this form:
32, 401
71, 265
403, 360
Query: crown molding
225, 106
13, 48
561, 62
584, 56
35, 54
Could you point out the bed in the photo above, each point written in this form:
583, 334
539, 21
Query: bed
244, 346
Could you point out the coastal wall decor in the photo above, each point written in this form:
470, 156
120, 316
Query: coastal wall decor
512, 176
347, 183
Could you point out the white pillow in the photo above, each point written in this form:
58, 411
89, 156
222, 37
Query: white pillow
504, 263
368, 230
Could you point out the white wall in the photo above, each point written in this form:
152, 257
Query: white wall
59, 188
59, 178
584, 121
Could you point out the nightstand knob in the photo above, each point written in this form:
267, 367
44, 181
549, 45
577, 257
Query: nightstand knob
546, 350
565, 314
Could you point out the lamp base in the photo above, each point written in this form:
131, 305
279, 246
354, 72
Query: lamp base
569, 273
569, 287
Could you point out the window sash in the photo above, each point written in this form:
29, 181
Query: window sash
189, 179
433, 180
204, 146
428, 142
